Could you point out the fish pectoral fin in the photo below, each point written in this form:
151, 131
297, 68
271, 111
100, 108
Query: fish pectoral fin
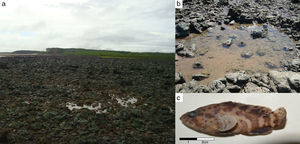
226, 122
261, 131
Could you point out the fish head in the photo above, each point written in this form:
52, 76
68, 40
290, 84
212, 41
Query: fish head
198, 121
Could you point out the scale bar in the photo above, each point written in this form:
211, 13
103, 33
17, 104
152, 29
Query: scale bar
197, 138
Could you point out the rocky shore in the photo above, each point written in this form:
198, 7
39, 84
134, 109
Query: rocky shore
78, 99
200, 16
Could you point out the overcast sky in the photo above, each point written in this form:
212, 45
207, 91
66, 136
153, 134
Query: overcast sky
127, 25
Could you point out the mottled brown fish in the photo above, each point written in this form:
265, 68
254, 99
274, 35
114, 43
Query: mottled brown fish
230, 118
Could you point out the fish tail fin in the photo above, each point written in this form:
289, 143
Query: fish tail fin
280, 114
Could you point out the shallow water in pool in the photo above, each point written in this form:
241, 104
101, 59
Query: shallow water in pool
217, 60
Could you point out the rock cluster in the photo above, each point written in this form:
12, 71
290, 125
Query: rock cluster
242, 82
34, 91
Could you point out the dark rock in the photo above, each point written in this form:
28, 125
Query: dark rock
234, 88
179, 79
242, 44
226, 21
179, 46
195, 28
197, 65
234, 13
259, 34
182, 30
199, 77
223, 2
222, 28
282, 88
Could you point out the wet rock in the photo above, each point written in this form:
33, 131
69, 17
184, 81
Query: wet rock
179, 79
222, 28
295, 66
286, 48
294, 81
201, 89
178, 87
234, 13
253, 88
179, 46
182, 30
223, 2
189, 87
232, 22
197, 65
226, 21
281, 81
216, 86
246, 54
260, 52
186, 53
195, 28
237, 77
234, 88
199, 77
283, 88
298, 45
227, 43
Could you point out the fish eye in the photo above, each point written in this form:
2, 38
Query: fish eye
192, 114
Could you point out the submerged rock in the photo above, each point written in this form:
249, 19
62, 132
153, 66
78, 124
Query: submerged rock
260, 52
246, 54
259, 34
270, 65
197, 65
227, 43
199, 77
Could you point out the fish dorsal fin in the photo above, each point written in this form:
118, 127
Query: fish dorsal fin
226, 122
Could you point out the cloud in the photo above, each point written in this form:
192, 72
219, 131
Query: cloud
136, 25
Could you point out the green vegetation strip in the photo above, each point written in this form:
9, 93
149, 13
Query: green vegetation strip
120, 54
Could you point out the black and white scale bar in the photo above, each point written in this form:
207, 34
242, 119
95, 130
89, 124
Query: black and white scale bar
197, 138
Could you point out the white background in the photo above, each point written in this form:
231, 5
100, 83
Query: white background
289, 135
